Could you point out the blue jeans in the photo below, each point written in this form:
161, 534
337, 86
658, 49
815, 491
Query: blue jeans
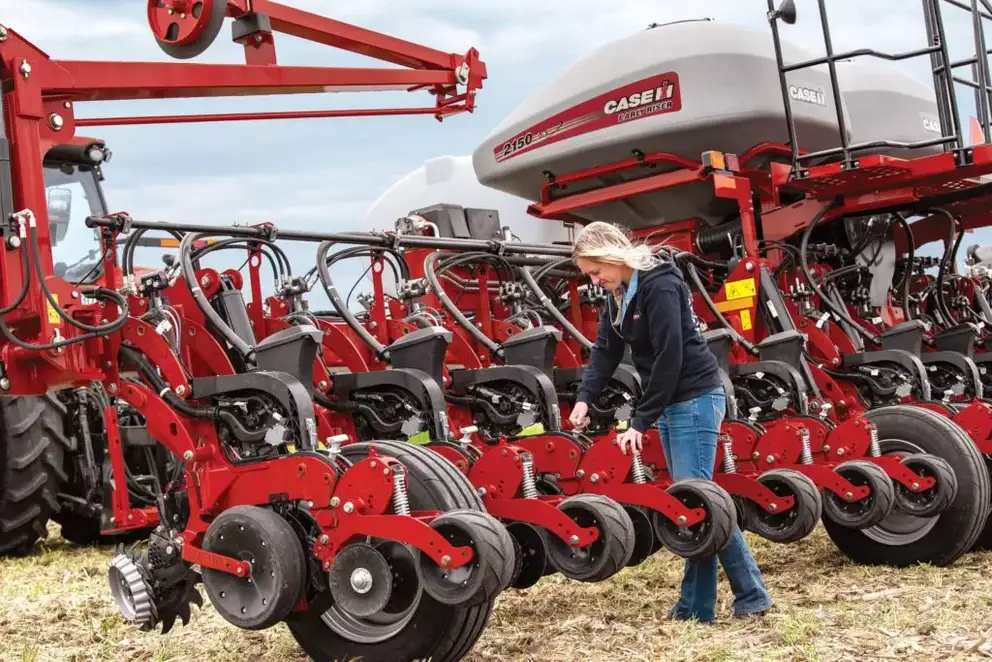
689, 431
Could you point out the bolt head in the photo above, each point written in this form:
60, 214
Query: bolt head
848, 495
445, 561
4, 383
682, 520
915, 486
188, 456
335, 502
773, 507
56, 122
349, 507
573, 540
323, 540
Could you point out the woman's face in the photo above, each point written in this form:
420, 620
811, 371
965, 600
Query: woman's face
610, 276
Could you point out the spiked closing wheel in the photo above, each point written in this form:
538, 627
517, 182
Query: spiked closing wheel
360, 580
131, 592
278, 567
186, 28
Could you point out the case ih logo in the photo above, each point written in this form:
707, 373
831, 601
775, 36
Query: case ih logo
813, 95
661, 94
644, 98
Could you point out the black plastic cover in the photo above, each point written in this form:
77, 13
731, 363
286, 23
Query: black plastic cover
462, 222
907, 336
959, 339
423, 349
292, 351
720, 342
786, 346
534, 347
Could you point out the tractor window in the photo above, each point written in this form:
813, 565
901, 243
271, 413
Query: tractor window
73, 194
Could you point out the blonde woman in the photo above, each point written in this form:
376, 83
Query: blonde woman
651, 310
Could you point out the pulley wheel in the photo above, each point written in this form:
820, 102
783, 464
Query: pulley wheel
278, 567
361, 580
533, 554
184, 29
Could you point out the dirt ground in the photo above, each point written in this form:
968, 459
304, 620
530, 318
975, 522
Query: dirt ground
55, 605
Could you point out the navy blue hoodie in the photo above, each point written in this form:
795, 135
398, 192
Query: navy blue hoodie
666, 342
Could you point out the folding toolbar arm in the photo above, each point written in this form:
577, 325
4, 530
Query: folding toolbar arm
37, 106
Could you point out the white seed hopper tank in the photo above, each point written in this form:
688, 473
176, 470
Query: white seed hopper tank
450, 180
684, 88
886, 104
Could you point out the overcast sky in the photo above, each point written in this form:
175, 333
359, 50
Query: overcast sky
325, 173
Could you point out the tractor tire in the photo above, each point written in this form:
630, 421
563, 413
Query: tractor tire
433, 630
901, 540
32, 452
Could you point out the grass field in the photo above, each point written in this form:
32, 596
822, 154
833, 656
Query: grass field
55, 605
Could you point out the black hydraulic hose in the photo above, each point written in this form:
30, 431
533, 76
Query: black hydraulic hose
448, 304
351, 407
324, 272
738, 338
950, 247
186, 265
808, 275
569, 328
177, 403
127, 258
908, 271
163, 389
109, 327
277, 270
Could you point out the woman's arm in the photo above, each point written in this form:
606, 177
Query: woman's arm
663, 310
606, 355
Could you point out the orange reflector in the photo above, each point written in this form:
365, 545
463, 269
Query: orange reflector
724, 181
714, 160
731, 306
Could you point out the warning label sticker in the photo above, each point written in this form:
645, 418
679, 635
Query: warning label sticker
644, 98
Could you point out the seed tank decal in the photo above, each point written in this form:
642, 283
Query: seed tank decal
644, 98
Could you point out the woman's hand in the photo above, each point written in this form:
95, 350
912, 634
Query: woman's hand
630, 437
578, 419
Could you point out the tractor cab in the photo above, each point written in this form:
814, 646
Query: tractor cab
73, 176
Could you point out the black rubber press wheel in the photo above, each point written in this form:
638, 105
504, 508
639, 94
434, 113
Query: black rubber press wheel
795, 523
705, 538
605, 556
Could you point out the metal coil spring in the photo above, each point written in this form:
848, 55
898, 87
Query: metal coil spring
729, 463
873, 446
638, 469
400, 502
806, 457
528, 485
